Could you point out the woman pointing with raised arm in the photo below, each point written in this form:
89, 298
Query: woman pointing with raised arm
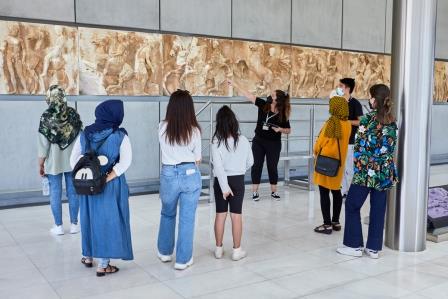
272, 122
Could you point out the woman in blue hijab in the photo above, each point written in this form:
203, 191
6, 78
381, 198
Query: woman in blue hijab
105, 225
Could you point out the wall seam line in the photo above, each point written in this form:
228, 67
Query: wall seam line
385, 26
342, 24
74, 9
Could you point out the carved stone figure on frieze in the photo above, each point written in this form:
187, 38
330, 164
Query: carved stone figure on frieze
13, 50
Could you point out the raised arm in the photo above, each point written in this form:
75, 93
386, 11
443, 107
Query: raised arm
242, 91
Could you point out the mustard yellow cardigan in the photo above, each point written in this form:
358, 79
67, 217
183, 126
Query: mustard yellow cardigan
329, 148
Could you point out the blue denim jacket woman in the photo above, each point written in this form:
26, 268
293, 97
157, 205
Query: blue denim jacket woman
105, 217
180, 179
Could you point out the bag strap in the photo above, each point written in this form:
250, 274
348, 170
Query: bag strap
339, 151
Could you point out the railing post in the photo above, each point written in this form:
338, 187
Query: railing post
310, 151
210, 165
286, 164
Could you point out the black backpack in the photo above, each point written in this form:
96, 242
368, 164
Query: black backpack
87, 177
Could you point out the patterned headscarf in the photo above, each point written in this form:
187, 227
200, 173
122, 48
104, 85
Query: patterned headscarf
60, 124
338, 112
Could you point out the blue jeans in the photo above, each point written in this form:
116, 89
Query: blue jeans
178, 184
56, 197
103, 263
356, 197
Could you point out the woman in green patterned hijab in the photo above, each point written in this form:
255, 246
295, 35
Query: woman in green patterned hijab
59, 128
60, 124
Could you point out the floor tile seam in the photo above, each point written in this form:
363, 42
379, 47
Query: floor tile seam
238, 286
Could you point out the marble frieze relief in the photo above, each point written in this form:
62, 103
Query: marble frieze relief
93, 61
34, 56
120, 62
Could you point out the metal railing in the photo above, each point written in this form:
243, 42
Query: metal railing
289, 156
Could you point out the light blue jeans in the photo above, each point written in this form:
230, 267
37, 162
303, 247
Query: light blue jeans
178, 184
102, 262
56, 197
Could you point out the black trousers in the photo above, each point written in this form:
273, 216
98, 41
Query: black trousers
325, 204
270, 149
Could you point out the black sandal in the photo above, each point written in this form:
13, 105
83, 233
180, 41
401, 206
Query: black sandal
85, 262
324, 229
336, 226
108, 270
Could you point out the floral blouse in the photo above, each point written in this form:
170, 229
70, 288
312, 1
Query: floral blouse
374, 165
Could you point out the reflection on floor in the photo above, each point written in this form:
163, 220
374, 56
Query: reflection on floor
286, 258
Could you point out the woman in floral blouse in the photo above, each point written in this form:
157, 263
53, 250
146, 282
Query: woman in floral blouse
374, 174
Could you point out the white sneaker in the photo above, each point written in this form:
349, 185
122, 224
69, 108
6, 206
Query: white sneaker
164, 258
274, 195
356, 252
238, 254
219, 252
183, 266
74, 228
255, 196
373, 254
57, 230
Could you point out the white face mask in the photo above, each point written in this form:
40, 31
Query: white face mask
339, 91
333, 94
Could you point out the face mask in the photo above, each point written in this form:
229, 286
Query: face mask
339, 91
333, 94
269, 100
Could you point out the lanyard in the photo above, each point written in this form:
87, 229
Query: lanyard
269, 117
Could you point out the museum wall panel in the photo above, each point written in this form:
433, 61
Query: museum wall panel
388, 33
60, 10
442, 29
364, 25
262, 20
18, 135
142, 14
197, 16
317, 22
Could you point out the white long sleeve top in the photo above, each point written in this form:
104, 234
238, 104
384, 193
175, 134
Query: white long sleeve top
173, 154
235, 161
119, 168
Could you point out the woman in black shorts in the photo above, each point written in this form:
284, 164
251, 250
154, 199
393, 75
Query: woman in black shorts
231, 157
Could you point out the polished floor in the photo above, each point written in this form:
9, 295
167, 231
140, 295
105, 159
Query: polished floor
286, 259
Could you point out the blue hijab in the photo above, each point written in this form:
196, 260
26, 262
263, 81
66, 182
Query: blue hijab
109, 115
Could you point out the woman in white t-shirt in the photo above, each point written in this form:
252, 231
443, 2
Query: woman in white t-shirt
180, 179
231, 157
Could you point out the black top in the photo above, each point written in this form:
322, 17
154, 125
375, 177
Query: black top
271, 119
354, 112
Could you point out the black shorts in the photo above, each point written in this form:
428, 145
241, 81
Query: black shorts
235, 202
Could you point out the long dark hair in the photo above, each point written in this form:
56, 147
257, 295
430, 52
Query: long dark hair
283, 105
180, 118
226, 126
383, 103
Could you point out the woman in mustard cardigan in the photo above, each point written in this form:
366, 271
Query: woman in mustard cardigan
336, 127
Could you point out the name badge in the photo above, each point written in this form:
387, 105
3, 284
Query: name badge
191, 171
265, 127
